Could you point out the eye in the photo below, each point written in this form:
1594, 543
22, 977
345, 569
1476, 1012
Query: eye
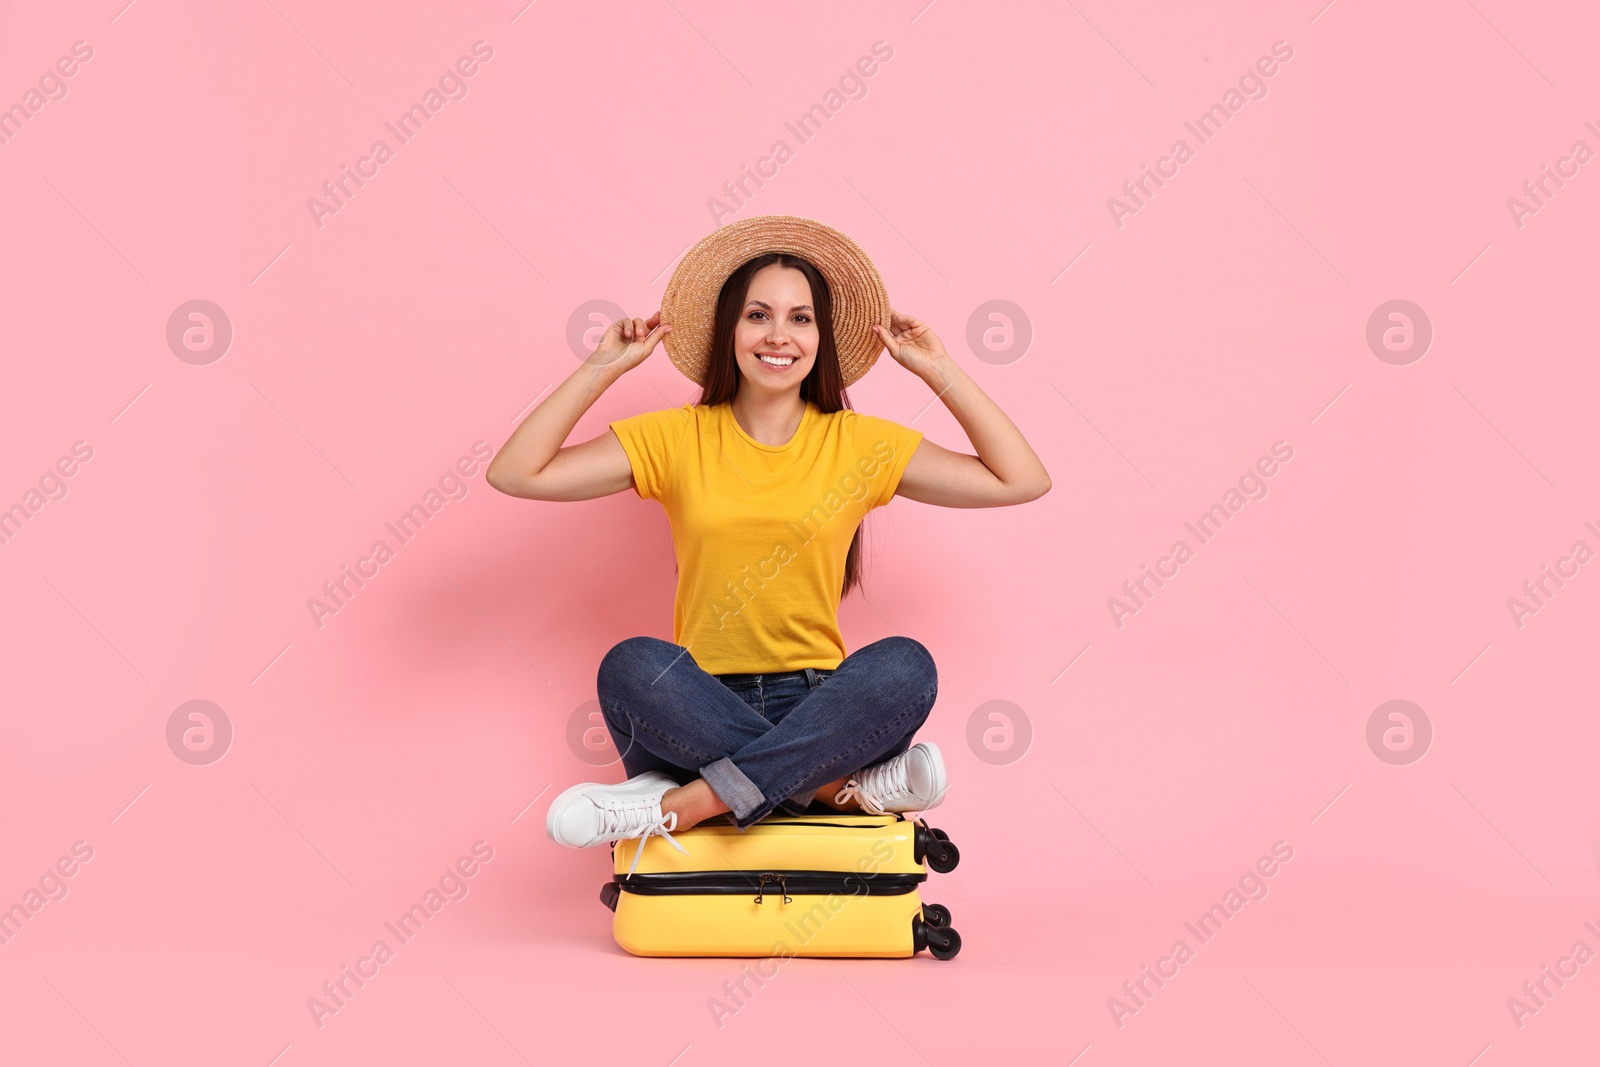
802, 317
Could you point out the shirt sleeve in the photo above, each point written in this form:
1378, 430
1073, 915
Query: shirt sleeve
888, 445
651, 441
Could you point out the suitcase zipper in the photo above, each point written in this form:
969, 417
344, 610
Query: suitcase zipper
672, 883
783, 886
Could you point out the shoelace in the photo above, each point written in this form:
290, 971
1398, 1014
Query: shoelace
874, 785
619, 814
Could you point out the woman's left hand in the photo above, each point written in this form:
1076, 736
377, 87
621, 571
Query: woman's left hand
912, 344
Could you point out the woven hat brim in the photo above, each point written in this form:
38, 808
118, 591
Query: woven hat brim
860, 300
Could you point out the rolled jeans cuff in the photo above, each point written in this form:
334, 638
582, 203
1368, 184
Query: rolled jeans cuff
736, 791
799, 803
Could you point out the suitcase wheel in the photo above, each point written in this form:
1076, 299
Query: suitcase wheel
941, 941
934, 847
944, 858
936, 915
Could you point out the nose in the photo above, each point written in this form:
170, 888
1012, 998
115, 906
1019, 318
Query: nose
777, 333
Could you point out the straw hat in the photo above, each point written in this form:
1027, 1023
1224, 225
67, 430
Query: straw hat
859, 298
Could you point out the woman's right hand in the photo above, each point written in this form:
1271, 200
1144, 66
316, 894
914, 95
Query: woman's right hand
627, 342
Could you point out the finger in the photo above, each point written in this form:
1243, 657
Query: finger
888, 340
653, 320
624, 328
656, 336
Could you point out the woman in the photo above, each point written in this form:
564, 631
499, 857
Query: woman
765, 480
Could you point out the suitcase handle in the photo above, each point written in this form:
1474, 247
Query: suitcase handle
783, 887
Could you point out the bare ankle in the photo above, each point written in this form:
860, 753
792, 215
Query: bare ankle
826, 794
672, 802
693, 803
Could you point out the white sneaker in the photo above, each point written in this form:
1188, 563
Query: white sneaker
591, 813
911, 781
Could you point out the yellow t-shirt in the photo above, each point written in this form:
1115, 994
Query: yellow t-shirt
761, 531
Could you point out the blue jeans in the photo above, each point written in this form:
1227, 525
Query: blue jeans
761, 740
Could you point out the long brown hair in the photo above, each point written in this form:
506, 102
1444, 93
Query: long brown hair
823, 386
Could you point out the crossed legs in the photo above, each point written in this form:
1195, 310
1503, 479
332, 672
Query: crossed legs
667, 714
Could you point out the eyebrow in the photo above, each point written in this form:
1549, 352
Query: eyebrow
764, 304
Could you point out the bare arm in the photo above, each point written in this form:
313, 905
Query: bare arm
1005, 470
536, 464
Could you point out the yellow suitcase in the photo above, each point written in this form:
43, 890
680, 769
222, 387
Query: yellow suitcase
790, 885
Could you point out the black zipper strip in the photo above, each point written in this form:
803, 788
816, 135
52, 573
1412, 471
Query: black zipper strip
845, 825
806, 820
744, 883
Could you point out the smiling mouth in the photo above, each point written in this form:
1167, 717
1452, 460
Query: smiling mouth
772, 360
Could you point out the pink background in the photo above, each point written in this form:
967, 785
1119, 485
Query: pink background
432, 710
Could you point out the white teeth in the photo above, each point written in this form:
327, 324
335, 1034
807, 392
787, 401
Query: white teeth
776, 361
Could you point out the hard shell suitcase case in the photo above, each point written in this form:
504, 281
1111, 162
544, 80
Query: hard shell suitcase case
790, 885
